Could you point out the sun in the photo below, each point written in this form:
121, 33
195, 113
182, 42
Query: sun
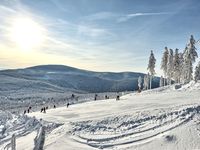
26, 33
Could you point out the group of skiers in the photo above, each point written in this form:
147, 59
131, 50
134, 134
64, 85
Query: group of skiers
43, 109
106, 97
28, 110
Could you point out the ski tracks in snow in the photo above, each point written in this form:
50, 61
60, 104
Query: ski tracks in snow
129, 130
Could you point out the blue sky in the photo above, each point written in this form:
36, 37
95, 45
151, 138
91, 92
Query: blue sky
100, 35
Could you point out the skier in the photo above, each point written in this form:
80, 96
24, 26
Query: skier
95, 97
117, 97
67, 104
24, 111
54, 106
41, 110
44, 110
28, 110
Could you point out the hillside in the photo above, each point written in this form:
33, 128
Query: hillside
58, 78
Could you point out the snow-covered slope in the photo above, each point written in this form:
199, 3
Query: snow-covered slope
163, 118
44, 84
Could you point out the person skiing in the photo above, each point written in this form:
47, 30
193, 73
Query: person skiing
117, 97
95, 97
67, 104
106, 97
44, 110
41, 110
73, 96
54, 106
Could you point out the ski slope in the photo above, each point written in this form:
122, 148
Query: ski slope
163, 118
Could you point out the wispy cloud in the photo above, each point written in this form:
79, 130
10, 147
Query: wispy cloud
121, 17
130, 16
92, 32
7, 9
101, 16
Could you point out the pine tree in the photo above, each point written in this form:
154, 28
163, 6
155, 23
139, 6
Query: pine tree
170, 66
181, 67
192, 49
187, 67
177, 65
145, 83
189, 56
197, 72
148, 81
161, 81
151, 66
139, 83
164, 63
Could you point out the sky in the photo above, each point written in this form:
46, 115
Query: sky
98, 35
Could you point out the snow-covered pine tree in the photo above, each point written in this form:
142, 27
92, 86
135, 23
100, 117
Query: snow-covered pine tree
161, 81
187, 66
189, 56
197, 72
139, 83
145, 83
164, 64
192, 49
151, 67
148, 80
170, 66
181, 67
177, 65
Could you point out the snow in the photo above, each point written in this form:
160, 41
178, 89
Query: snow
163, 118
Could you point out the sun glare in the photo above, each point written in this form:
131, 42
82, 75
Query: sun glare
26, 33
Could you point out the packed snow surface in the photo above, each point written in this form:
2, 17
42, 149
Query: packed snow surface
163, 118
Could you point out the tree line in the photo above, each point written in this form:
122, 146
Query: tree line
177, 66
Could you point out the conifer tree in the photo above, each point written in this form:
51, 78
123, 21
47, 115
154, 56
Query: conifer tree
151, 67
170, 66
197, 72
139, 83
177, 67
161, 81
189, 56
164, 64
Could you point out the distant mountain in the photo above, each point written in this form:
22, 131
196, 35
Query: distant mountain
59, 78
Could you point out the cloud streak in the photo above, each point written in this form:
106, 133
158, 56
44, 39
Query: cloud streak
101, 16
133, 15
121, 17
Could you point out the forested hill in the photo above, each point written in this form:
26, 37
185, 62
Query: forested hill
64, 78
